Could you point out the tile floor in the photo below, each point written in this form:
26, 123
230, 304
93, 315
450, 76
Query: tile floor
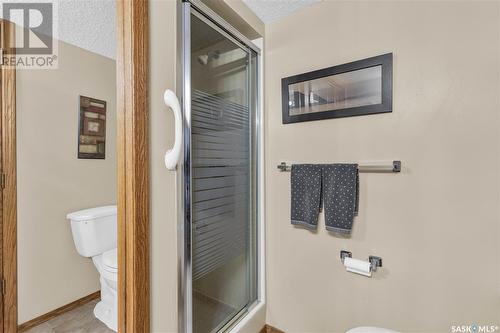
209, 313
79, 320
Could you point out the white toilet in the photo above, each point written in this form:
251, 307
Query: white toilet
94, 233
370, 330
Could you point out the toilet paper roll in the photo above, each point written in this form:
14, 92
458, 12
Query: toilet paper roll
357, 266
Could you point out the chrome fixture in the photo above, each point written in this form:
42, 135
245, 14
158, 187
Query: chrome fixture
345, 254
375, 262
205, 58
392, 166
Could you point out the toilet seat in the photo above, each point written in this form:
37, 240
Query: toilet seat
368, 329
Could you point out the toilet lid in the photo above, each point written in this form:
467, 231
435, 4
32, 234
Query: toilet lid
109, 260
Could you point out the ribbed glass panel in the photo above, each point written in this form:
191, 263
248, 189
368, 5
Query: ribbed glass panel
222, 184
221, 180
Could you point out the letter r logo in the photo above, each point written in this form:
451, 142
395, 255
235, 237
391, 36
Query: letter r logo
36, 21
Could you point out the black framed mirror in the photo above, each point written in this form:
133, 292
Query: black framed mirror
357, 88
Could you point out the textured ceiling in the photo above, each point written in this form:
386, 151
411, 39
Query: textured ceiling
90, 24
271, 10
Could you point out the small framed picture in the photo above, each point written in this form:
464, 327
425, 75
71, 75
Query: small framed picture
92, 128
357, 88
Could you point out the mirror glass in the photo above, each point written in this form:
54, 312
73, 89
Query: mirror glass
340, 91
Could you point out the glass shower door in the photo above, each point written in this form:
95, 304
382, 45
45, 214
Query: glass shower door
222, 181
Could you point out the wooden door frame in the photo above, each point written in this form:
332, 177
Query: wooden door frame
132, 70
133, 165
8, 174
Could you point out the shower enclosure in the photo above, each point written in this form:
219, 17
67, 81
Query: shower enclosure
219, 171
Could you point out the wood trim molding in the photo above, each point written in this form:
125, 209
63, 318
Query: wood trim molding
57, 312
269, 329
133, 166
9, 191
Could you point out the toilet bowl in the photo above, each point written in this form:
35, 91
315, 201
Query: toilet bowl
368, 329
94, 234
106, 309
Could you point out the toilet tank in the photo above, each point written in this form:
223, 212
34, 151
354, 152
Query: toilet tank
94, 230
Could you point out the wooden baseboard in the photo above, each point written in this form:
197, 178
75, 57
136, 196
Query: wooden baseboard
269, 329
59, 311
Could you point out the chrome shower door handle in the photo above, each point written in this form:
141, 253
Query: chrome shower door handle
172, 156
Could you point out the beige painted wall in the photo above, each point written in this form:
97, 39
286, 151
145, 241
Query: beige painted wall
53, 182
163, 182
436, 225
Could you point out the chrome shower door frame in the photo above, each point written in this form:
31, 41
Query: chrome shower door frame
185, 302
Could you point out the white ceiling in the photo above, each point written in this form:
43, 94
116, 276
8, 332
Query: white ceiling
271, 10
90, 24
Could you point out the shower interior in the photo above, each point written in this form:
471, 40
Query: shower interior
222, 176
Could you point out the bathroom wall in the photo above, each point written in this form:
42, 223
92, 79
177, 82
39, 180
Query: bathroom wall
162, 16
436, 225
53, 182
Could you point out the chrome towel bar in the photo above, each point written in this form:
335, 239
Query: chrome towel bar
391, 166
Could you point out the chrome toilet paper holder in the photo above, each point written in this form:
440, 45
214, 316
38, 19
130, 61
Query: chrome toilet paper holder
375, 261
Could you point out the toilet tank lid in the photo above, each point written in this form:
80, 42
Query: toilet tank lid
92, 213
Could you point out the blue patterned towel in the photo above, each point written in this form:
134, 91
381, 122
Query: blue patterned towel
306, 194
340, 196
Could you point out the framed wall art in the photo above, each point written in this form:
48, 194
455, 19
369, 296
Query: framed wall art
92, 128
357, 88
